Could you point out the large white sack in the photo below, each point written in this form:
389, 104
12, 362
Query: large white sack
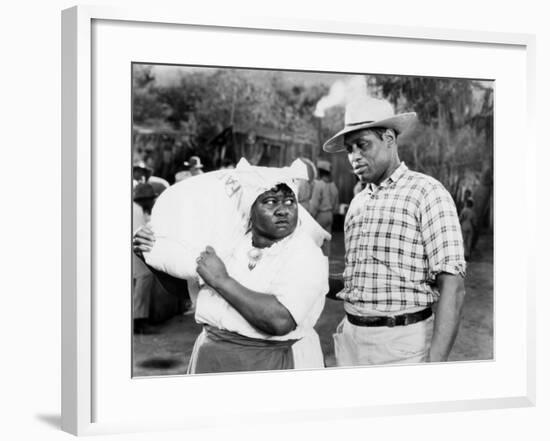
213, 209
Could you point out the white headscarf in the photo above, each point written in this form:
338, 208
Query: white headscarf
246, 182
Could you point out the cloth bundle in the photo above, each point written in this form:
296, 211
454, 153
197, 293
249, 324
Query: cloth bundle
214, 209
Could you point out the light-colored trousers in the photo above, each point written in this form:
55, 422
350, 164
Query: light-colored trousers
368, 345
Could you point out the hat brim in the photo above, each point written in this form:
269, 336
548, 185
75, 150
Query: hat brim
147, 170
400, 123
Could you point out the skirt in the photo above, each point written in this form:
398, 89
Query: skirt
217, 350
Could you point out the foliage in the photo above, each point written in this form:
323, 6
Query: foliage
456, 123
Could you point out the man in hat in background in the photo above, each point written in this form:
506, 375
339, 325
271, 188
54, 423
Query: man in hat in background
142, 173
468, 224
192, 167
324, 200
404, 251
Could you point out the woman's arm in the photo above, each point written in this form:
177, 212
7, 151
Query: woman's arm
261, 310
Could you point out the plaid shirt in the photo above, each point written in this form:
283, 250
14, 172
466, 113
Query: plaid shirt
399, 236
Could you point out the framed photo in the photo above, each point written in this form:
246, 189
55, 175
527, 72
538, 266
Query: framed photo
115, 66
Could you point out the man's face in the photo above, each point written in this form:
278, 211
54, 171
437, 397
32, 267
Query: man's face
275, 214
369, 156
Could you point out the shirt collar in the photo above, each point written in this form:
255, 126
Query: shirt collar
394, 177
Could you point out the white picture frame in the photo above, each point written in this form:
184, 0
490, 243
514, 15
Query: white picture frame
84, 389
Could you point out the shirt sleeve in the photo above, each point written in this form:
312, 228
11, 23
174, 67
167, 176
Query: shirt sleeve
441, 233
302, 281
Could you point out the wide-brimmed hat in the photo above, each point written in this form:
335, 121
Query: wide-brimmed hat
141, 166
367, 113
193, 162
144, 191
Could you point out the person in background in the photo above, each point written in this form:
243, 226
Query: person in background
324, 200
227, 164
143, 279
305, 187
142, 173
192, 167
468, 225
404, 249
195, 166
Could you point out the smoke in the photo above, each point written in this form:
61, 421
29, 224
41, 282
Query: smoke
166, 76
342, 92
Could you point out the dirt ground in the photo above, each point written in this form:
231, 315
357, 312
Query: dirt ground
167, 349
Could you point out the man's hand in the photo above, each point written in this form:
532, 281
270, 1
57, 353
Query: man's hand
143, 240
211, 268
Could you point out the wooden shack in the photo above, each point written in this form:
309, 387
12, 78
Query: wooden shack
269, 147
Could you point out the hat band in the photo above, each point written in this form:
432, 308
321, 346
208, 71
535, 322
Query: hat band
359, 123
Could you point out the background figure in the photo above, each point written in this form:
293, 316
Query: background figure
192, 167
305, 188
151, 301
158, 184
324, 200
140, 172
143, 279
227, 164
468, 226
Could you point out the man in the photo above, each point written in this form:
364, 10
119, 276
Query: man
192, 167
404, 251
324, 200
468, 224
142, 173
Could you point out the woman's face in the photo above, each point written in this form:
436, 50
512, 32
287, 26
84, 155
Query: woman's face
274, 215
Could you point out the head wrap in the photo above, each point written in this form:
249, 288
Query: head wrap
246, 182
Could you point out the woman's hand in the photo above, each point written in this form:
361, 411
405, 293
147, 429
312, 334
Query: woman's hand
143, 240
211, 268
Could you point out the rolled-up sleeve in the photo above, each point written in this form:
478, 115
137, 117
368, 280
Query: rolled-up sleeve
441, 233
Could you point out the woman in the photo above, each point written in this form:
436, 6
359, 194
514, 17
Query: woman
260, 302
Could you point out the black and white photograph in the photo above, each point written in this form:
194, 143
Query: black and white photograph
302, 220
307, 220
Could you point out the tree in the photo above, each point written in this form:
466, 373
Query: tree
455, 117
